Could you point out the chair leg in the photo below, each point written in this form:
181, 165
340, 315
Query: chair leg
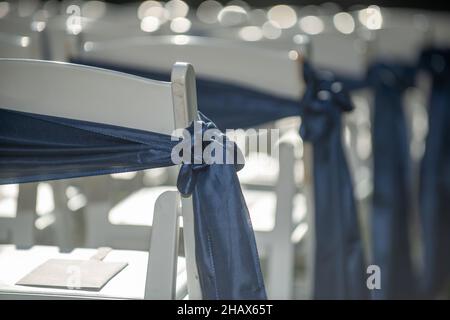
96, 224
96, 211
163, 253
64, 224
310, 237
194, 289
281, 254
281, 270
23, 224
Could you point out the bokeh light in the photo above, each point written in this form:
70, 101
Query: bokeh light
343, 22
251, 33
232, 15
150, 24
283, 15
371, 17
180, 25
311, 25
208, 11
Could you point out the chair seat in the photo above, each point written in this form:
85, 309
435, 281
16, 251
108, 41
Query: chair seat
127, 284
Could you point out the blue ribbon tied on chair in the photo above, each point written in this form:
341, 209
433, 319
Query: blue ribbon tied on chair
435, 174
220, 230
216, 141
39, 148
339, 271
391, 201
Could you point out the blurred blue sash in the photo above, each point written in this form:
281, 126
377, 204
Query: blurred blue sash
339, 258
435, 175
391, 202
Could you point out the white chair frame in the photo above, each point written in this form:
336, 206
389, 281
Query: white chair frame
17, 40
91, 88
16, 43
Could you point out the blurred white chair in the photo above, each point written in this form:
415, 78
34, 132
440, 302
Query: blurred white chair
18, 203
90, 22
272, 71
18, 214
22, 37
23, 90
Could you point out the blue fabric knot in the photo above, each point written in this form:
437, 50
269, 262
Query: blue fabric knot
437, 63
391, 76
200, 139
324, 100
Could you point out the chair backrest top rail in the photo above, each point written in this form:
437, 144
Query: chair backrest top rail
269, 70
86, 93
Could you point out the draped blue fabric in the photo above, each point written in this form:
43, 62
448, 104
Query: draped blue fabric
229, 106
339, 258
391, 201
37, 148
339, 263
435, 175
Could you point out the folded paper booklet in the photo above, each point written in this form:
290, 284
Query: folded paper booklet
91, 274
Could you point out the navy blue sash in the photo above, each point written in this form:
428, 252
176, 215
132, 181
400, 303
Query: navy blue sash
38, 148
435, 175
339, 258
391, 200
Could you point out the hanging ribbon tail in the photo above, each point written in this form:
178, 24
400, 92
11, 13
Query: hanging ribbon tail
391, 200
226, 251
435, 175
339, 266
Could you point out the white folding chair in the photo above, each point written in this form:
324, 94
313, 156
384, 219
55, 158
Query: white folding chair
156, 106
18, 206
24, 38
19, 40
272, 71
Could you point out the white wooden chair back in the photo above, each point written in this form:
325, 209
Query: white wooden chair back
17, 46
85, 93
339, 52
18, 40
98, 95
273, 71
399, 43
